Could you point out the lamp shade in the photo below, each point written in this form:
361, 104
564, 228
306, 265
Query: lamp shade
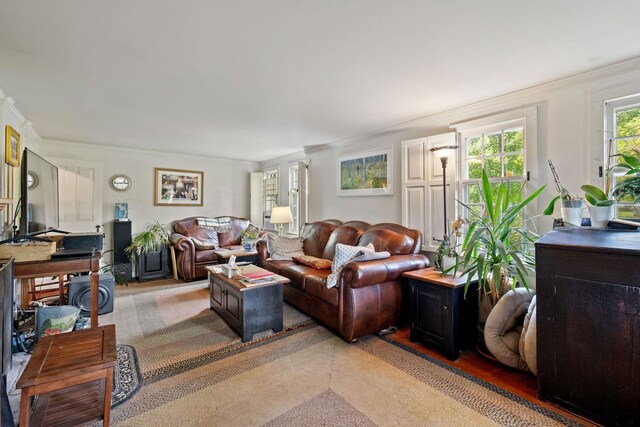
281, 215
443, 151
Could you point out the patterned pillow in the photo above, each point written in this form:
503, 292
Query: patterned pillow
200, 245
284, 248
311, 261
220, 225
344, 254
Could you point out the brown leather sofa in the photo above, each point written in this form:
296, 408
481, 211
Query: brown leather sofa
369, 296
191, 261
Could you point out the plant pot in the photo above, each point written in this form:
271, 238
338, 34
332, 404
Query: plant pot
572, 212
600, 215
249, 244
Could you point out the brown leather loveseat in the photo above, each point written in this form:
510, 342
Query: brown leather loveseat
369, 295
187, 233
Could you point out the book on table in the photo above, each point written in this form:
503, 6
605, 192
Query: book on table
255, 276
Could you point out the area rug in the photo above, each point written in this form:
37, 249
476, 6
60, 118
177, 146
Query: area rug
126, 375
170, 325
309, 376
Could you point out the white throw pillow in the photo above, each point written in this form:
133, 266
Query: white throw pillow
284, 248
344, 254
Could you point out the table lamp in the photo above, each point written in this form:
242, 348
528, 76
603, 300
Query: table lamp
281, 215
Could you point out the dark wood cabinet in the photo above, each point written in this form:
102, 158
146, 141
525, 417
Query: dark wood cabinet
440, 315
248, 310
154, 265
588, 331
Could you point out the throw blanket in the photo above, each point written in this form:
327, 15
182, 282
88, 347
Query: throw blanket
220, 225
346, 253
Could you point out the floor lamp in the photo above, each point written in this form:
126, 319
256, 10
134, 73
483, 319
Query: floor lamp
281, 215
444, 152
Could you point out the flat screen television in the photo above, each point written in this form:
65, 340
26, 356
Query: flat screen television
39, 208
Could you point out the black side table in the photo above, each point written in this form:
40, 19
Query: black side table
441, 316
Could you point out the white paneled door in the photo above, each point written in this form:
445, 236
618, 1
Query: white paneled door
422, 201
80, 194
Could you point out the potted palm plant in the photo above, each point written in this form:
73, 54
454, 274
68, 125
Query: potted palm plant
148, 251
494, 249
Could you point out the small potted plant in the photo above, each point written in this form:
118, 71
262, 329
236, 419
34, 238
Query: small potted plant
571, 206
249, 237
446, 254
600, 205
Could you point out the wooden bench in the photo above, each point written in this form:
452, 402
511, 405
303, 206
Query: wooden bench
72, 375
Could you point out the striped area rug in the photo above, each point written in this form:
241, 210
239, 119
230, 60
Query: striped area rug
308, 376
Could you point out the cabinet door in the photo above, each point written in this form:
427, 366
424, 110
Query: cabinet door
431, 307
215, 288
233, 307
593, 338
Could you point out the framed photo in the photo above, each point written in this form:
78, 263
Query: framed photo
366, 174
11, 146
174, 187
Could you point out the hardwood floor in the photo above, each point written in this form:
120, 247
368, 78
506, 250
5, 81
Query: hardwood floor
520, 383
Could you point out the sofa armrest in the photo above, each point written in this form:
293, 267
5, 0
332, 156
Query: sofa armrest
367, 273
181, 242
263, 253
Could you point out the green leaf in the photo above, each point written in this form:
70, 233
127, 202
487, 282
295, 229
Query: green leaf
486, 193
593, 191
552, 205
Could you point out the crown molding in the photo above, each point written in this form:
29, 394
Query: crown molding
92, 146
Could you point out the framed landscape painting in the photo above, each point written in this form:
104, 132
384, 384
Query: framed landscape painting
366, 174
12, 146
174, 187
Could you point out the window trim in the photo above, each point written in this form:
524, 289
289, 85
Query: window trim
527, 117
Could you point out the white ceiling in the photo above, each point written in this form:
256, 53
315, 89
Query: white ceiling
260, 79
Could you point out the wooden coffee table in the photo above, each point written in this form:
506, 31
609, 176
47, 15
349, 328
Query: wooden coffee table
248, 309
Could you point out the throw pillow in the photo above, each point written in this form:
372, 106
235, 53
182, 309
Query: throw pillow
200, 245
344, 254
220, 225
311, 261
284, 248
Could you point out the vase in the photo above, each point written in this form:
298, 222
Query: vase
248, 244
600, 215
572, 212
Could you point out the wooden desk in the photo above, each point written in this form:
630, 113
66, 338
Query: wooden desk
72, 373
27, 271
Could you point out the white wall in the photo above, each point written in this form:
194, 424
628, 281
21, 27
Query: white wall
569, 133
10, 175
226, 182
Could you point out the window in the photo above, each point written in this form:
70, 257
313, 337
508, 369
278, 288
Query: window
294, 195
623, 137
505, 145
500, 150
270, 194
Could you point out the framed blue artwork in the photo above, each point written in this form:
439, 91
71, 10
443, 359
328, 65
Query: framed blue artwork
122, 210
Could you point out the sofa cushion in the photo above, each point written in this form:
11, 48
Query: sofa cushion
220, 224
228, 239
345, 234
316, 235
316, 285
276, 266
298, 273
311, 261
206, 256
200, 245
387, 240
284, 248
